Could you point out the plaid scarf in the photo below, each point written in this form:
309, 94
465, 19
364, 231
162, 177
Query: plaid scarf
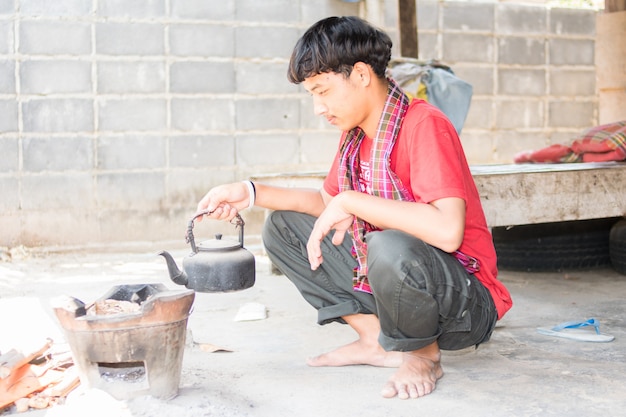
384, 182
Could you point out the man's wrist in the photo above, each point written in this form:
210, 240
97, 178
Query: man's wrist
251, 193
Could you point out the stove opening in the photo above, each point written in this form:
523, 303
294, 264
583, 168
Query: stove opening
124, 373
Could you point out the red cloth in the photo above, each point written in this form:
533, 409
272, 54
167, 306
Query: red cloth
598, 144
429, 160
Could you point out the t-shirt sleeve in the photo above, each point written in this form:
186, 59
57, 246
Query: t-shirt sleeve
436, 168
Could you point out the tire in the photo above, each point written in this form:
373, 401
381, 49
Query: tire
617, 246
554, 247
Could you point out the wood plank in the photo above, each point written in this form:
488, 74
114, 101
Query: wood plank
407, 14
516, 194
611, 6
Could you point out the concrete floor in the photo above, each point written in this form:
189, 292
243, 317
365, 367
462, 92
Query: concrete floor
518, 373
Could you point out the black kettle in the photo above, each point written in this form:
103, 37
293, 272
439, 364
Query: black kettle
216, 265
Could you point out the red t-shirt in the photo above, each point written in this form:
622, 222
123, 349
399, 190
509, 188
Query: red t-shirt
429, 160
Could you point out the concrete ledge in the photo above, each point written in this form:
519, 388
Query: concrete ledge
515, 194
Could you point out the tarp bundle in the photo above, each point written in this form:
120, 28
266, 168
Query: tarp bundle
597, 144
435, 83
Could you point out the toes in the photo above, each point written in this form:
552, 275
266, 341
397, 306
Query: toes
389, 390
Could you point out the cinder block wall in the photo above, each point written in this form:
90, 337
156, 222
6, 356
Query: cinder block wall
117, 116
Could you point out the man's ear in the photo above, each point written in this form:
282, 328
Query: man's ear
362, 73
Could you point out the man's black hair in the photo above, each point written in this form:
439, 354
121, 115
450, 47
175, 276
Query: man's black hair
335, 44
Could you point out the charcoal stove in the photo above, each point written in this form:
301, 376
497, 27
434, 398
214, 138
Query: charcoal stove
129, 352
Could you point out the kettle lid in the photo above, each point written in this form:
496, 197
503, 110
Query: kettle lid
218, 244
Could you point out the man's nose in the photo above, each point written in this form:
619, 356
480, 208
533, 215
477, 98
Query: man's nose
319, 108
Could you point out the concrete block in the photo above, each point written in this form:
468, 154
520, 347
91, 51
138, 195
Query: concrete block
520, 19
611, 55
11, 226
8, 110
64, 226
7, 77
283, 11
572, 21
141, 225
131, 190
514, 142
267, 113
202, 151
571, 51
319, 147
134, 9
119, 77
522, 82
569, 113
41, 37
58, 115
481, 78
521, 50
10, 154
45, 8
133, 114
7, 7
208, 40
130, 38
468, 16
57, 76
202, 9
571, 82
57, 154
7, 38
10, 201
480, 114
478, 147
258, 77
263, 149
611, 106
427, 15
314, 10
198, 114
186, 187
121, 152
265, 42
459, 47
428, 46
202, 77
514, 114
58, 191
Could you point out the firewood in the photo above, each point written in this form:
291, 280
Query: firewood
14, 359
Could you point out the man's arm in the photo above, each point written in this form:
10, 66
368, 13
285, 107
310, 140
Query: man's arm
440, 223
225, 201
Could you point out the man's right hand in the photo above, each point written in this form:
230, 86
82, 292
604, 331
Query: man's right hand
224, 201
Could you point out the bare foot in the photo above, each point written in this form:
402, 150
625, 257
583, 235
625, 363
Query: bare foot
358, 352
364, 351
417, 375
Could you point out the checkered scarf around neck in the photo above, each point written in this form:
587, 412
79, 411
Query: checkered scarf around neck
384, 182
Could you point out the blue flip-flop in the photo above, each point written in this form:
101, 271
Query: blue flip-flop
574, 330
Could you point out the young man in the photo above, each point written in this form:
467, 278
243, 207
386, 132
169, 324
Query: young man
395, 244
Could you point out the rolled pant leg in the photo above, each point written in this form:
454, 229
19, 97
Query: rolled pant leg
329, 288
424, 294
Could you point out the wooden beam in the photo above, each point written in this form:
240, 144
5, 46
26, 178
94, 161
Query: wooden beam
614, 5
407, 14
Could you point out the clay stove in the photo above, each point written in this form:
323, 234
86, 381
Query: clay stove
129, 351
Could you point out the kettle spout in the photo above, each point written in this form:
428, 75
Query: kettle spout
178, 276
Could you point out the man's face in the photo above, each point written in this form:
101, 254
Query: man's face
337, 98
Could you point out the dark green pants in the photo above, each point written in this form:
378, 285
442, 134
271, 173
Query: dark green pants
420, 293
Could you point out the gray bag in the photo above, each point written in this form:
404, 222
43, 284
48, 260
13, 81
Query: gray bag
443, 88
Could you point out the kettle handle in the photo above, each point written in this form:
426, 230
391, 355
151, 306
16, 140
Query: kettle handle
238, 222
